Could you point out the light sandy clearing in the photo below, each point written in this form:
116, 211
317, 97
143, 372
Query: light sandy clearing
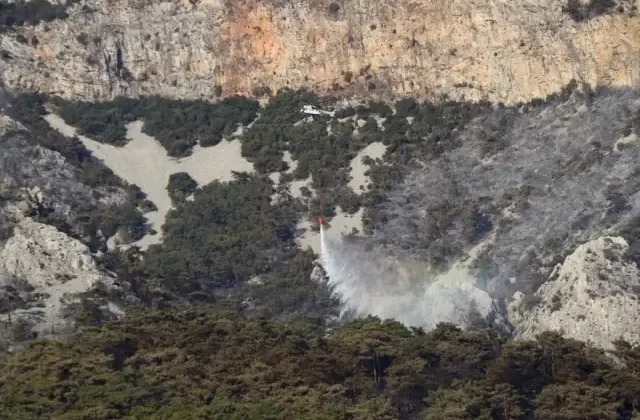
295, 186
145, 163
342, 223
358, 178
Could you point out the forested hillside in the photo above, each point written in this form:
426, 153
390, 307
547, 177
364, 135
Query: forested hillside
485, 199
223, 319
212, 244
229, 234
203, 364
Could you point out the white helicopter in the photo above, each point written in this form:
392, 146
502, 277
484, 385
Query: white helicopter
314, 110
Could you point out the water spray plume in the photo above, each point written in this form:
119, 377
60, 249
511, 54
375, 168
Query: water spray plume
323, 247
371, 282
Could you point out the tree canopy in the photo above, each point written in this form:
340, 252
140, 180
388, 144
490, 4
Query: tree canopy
177, 125
194, 363
31, 12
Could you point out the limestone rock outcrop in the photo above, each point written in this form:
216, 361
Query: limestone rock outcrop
50, 269
501, 50
593, 296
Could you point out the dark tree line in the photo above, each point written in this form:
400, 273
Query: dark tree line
31, 12
177, 125
197, 363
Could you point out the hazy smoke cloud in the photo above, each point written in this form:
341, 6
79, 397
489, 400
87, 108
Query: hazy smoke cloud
370, 282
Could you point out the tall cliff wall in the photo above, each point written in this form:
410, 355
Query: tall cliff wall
501, 50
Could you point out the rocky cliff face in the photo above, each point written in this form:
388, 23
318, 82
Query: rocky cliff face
593, 296
501, 50
42, 273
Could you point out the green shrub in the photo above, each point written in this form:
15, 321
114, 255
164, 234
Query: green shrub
31, 12
180, 186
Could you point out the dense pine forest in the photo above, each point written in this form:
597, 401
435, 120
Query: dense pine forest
194, 363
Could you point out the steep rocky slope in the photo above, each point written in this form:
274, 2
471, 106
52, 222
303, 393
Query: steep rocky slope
502, 50
41, 179
43, 273
54, 202
527, 183
593, 296
532, 185
545, 179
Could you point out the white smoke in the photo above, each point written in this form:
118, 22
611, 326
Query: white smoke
369, 282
